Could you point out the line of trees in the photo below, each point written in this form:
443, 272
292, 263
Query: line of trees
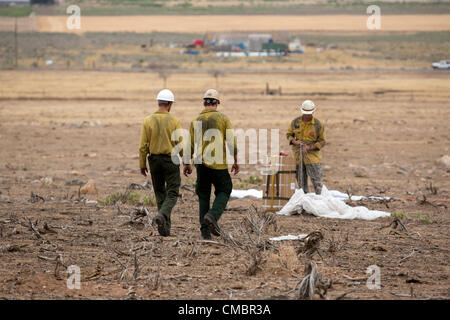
42, 1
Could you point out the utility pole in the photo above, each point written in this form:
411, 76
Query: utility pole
16, 47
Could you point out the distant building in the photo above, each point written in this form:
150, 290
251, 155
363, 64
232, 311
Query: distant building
240, 41
257, 40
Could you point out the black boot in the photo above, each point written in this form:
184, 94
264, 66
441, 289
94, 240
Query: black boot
212, 224
206, 234
160, 221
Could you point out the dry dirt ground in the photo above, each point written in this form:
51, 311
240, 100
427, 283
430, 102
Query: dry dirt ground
183, 23
396, 136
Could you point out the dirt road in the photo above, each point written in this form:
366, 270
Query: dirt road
254, 23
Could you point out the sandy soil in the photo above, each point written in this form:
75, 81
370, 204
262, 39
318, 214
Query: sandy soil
245, 23
396, 136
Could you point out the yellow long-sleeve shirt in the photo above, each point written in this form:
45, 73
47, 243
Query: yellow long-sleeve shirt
156, 135
312, 134
212, 119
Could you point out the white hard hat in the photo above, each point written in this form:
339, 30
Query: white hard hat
165, 95
308, 107
211, 94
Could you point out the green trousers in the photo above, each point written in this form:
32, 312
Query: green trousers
166, 183
221, 180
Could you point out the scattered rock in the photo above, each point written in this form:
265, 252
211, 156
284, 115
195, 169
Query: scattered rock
5, 198
86, 124
379, 248
9, 248
47, 181
444, 161
90, 155
75, 182
89, 188
360, 172
359, 120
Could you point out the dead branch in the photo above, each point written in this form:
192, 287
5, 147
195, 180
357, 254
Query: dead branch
312, 283
47, 258
143, 212
258, 221
33, 228
341, 296
120, 253
408, 256
353, 279
10, 248
47, 229
394, 223
335, 245
36, 198
252, 243
237, 209
149, 217
432, 189
59, 262
132, 222
124, 267
229, 240
193, 251
424, 201
157, 278
136, 267
137, 186
349, 195
256, 261
311, 244
213, 242
188, 187
382, 189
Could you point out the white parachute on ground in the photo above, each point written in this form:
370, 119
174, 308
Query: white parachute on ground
246, 193
289, 237
327, 205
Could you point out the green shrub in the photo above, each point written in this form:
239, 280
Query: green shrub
133, 198
398, 215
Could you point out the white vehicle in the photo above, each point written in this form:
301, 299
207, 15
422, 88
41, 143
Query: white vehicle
441, 65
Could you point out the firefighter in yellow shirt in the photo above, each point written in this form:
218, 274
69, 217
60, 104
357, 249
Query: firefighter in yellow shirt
156, 145
308, 133
210, 133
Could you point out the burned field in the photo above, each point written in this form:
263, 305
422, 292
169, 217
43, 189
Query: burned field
383, 144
